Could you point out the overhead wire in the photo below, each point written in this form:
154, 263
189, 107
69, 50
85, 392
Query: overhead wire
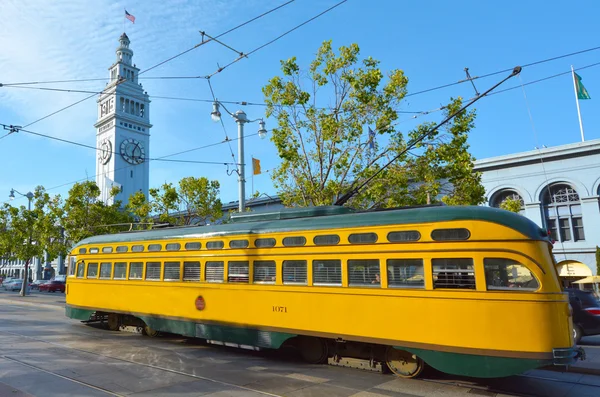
220, 35
168, 60
503, 90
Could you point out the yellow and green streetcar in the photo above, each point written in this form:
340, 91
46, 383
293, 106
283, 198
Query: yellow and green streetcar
467, 290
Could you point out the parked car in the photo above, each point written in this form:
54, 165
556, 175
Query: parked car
13, 285
586, 313
53, 286
36, 284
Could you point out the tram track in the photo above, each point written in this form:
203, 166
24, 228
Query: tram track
478, 388
197, 377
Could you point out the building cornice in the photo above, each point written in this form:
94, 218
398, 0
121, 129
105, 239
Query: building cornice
547, 155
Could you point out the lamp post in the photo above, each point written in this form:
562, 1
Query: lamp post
241, 119
29, 196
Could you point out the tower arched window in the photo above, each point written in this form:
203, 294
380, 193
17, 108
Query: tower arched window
562, 212
500, 197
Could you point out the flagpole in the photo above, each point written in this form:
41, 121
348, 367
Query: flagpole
577, 101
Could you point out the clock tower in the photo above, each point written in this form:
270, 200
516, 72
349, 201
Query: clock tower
123, 130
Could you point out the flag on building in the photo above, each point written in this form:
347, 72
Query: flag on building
371, 138
255, 166
581, 91
129, 16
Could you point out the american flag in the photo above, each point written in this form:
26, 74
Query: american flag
129, 16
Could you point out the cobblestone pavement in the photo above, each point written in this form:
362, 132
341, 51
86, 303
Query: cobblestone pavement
43, 353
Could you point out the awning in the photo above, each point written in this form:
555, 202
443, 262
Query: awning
588, 280
573, 269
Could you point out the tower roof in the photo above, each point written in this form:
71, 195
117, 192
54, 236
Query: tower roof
124, 36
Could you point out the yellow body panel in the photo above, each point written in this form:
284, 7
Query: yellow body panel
498, 323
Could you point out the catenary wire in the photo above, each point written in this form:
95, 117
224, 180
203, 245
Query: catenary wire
163, 62
220, 69
220, 35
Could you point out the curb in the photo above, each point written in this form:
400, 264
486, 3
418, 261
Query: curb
573, 370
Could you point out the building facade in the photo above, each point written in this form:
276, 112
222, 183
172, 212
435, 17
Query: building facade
559, 188
123, 130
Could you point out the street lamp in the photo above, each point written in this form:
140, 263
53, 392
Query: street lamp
241, 119
29, 196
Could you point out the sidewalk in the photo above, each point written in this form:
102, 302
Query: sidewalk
56, 301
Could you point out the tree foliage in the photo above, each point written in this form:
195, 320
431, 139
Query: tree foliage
26, 233
324, 144
597, 261
511, 204
86, 215
195, 201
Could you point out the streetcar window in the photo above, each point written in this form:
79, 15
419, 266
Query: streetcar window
153, 270
82, 250
137, 248
264, 242
214, 271
326, 239
362, 238
154, 247
404, 236
327, 272
264, 272
172, 271
238, 271
364, 272
193, 246
238, 244
214, 245
297, 241
135, 270
191, 271
405, 273
80, 269
294, 272
122, 248
120, 270
173, 247
508, 274
105, 269
453, 273
107, 250
93, 250
92, 270
458, 234
72, 261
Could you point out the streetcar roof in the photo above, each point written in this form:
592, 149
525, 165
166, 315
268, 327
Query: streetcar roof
285, 221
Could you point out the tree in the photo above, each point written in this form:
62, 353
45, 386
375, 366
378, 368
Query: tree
323, 150
194, 202
25, 234
597, 261
511, 204
86, 215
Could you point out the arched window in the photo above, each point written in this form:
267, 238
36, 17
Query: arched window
501, 196
562, 213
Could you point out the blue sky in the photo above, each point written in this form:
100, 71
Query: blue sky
432, 41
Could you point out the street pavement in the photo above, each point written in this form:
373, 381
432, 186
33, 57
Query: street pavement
43, 353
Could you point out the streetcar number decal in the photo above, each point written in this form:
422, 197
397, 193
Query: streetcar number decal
280, 309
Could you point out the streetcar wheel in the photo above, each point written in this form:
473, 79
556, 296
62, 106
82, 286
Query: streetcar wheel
576, 334
313, 350
114, 322
403, 363
151, 332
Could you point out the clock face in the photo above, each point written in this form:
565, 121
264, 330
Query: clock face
133, 151
105, 152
